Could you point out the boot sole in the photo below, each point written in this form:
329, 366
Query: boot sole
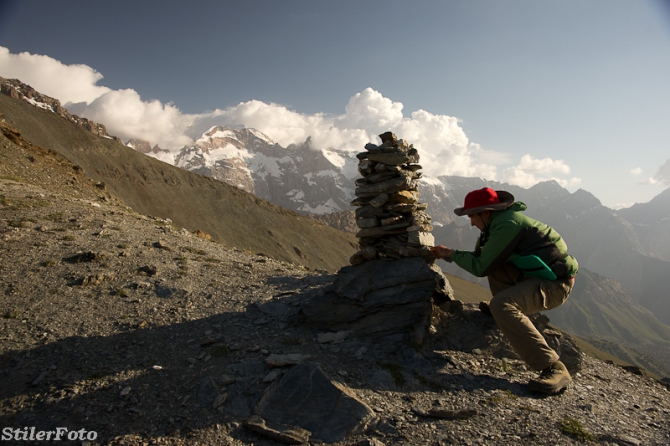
539, 387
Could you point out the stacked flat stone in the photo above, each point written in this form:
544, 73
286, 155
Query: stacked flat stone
392, 222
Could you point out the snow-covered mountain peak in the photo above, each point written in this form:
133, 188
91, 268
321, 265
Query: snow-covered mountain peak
298, 177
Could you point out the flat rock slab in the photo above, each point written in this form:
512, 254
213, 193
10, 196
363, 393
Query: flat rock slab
279, 432
306, 398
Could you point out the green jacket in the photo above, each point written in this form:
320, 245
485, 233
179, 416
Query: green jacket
511, 234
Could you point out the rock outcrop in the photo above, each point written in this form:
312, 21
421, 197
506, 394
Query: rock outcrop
18, 90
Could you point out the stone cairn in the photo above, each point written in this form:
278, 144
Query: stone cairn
393, 224
388, 291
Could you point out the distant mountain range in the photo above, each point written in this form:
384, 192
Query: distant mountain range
621, 292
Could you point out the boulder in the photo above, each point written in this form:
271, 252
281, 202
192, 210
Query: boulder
307, 399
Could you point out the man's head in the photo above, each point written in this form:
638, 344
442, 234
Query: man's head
485, 199
480, 219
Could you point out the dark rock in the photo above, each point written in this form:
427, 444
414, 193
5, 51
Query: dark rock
381, 379
379, 298
388, 137
209, 391
307, 398
81, 257
280, 432
635, 370
446, 414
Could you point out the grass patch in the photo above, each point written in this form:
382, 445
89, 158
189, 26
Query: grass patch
220, 351
56, 217
290, 341
11, 178
11, 314
434, 385
17, 223
97, 376
192, 250
67, 238
48, 263
121, 292
499, 398
573, 427
396, 372
212, 260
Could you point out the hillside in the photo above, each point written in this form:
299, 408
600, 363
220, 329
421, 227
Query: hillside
231, 216
141, 332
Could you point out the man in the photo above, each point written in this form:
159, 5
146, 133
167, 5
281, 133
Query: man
529, 270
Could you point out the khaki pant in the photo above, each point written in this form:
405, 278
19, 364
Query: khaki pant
514, 297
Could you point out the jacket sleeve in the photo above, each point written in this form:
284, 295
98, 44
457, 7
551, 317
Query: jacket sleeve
503, 237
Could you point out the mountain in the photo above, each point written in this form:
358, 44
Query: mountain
651, 223
297, 177
230, 215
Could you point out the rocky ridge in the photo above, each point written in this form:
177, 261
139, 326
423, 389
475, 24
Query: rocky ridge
138, 330
16, 89
146, 333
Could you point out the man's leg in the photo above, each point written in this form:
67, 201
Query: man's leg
509, 308
504, 277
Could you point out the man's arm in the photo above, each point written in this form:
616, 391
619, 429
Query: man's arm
442, 252
503, 236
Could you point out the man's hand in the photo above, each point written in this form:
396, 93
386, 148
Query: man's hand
442, 252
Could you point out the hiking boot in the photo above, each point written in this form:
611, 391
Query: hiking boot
553, 379
484, 308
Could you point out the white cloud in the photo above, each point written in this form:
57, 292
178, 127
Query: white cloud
443, 145
662, 175
67, 83
618, 206
531, 171
636, 171
125, 115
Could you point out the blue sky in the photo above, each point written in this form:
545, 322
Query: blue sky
514, 90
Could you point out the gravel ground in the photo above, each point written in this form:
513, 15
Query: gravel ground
127, 326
